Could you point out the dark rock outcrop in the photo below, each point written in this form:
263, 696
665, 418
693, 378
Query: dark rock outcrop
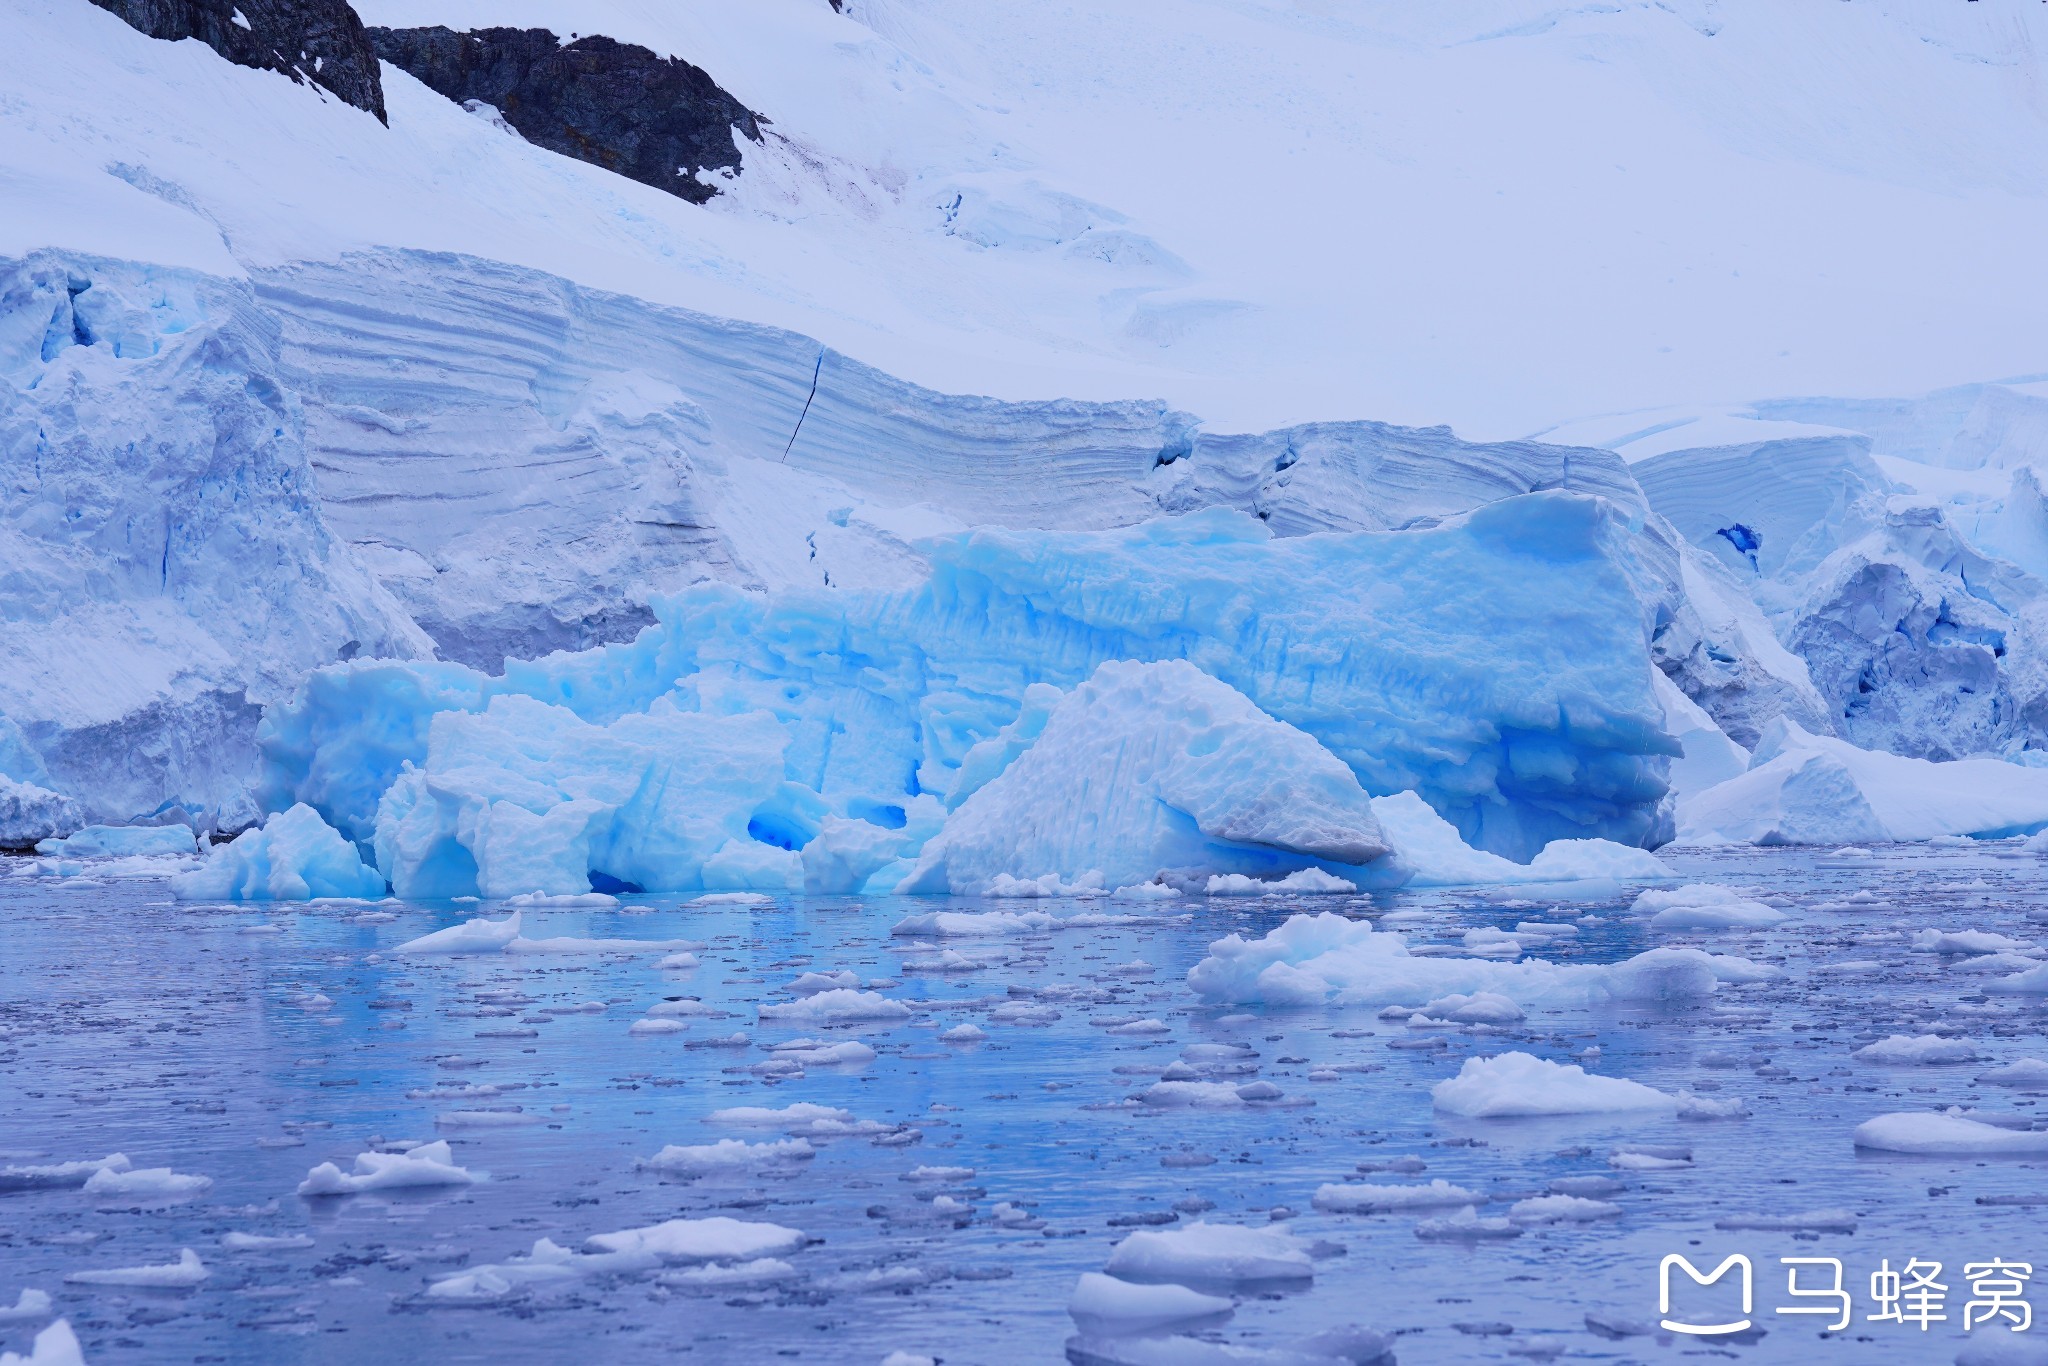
658, 120
318, 41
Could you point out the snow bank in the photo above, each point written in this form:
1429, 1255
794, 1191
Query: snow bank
295, 856
1949, 1134
1809, 789
430, 1164
1519, 1084
1704, 906
1327, 959
1146, 767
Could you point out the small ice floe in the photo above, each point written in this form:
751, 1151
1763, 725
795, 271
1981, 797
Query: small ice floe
802, 1117
902, 1358
1368, 1199
732, 899
1948, 1134
1145, 891
1519, 1084
2027, 1074
963, 1033
429, 1164
1105, 1304
1922, 1050
728, 1155
146, 1183
2032, 982
1140, 1028
1347, 1346
677, 1241
484, 935
29, 1306
658, 1024
1301, 882
926, 1172
1562, 1209
838, 1006
1202, 1253
682, 1007
1466, 1227
60, 1175
56, 1345
678, 962
1691, 1106
811, 983
182, 1274
756, 1274
950, 960
1216, 1095
505, 1117
819, 1053
1969, 942
1480, 1007
1814, 1221
1591, 1187
1704, 906
1650, 1157
265, 1242
566, 901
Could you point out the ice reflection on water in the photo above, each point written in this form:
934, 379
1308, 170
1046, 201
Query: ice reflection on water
177, 1035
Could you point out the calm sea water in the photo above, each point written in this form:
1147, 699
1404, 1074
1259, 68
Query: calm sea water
173, 1034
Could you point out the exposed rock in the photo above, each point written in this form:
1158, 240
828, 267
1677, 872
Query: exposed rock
317, 41
657, 120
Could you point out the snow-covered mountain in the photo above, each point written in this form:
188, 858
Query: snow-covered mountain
284, 384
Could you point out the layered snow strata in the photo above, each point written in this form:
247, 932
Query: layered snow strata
1809, 789
1497, 665
295, 856
1146, 767
1327, 959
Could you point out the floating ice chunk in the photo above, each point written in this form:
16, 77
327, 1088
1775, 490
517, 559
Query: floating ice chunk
122, 841
716, 1239
1650, 1157
294, 856
187, 1271
1519, 1084
684, 1008
902, 1358
146, 1183
1562, 1209
753, 1274
56, 1345
729, 1155
1146, 891
1046, 886
658, 1024
812, 982
2033, 982
1969, 941
2027, 1074
562, 901
429, 1164
1704, 906
837, 1006
1202, 1253
1367, 1199
974, 1033
1105, 1304
819, 1053
974, 924
58, 1175
1691, 1106
1301, 882
1337, 1347
801, 1114
481, 935
1197, 1095
1946, 1135
1815, 1221
1140, 1028
30, 813
29, 1305
1150, 766
1485, 1007
1327, 959
1906, 1050
571, 946
732, 899
1467, 1227
678, 962
512, 1117
265, 1242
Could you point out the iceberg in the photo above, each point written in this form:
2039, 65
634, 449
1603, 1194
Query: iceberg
1812, 789
1496, 664
30, 814
122, 841
294, 856
1146, 767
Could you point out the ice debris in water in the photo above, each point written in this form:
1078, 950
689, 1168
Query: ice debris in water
836, 1006
29, 1305
2026, 1074
294, 856
728, 1155
122, 841
187, 1271
1106, 1304
1520, 1084
1325, 958
1301, 882
147, 1183
717, 1239
1948, 1133
56, 1345
429, 1164
1917, 1050
484, 935
1363, 1198
57, 1175
1202, 1253
1704, 906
